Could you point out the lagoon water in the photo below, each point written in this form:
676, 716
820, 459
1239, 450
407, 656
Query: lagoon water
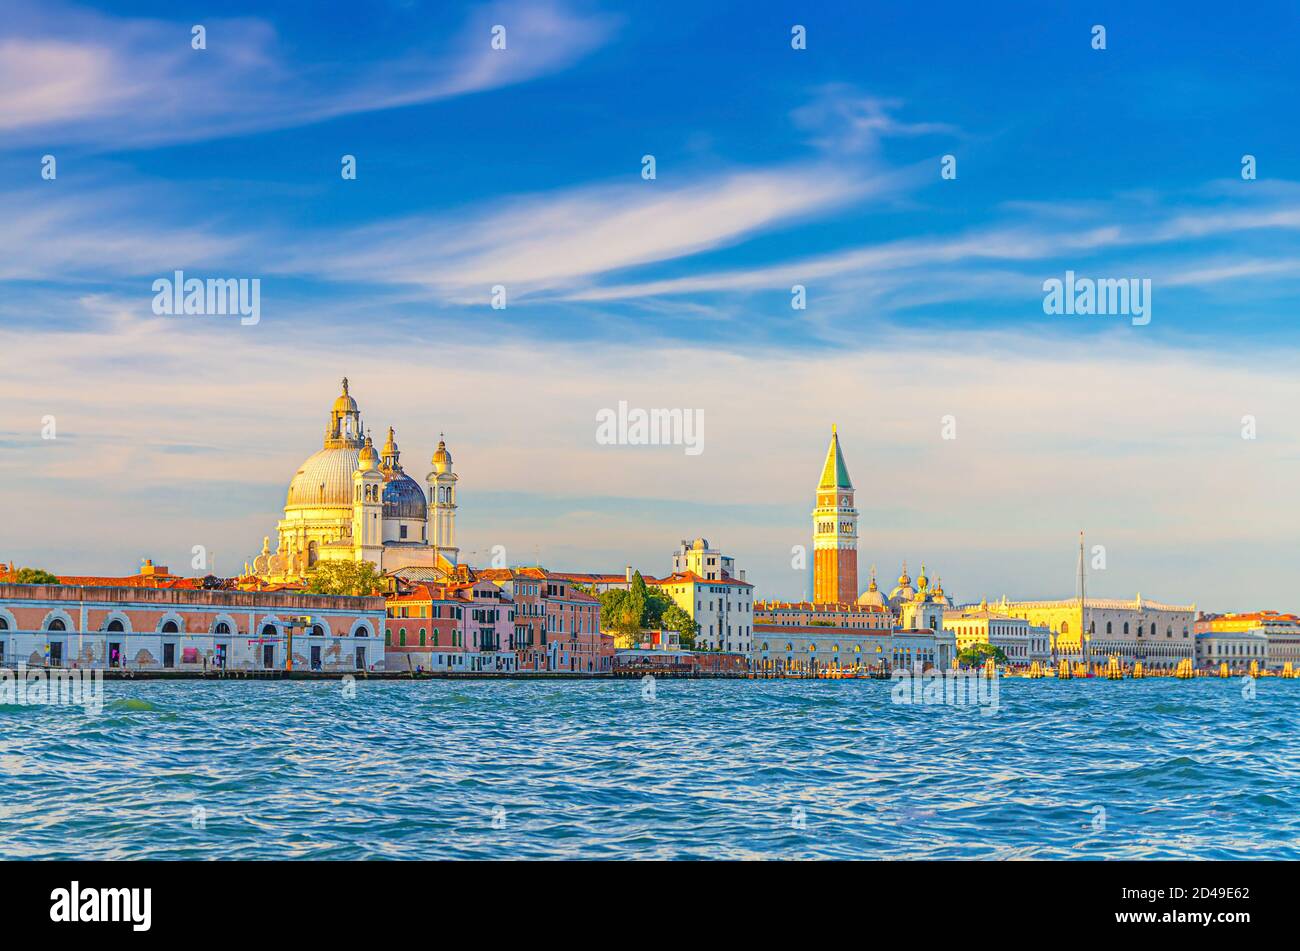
707, 769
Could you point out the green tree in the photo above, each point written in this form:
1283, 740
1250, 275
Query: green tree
345, 577
620, 613
977, 655
676, 619
35, 576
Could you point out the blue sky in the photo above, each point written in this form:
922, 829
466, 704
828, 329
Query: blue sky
774, 167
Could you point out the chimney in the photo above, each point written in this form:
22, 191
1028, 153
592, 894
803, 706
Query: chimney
629, 574
742, 574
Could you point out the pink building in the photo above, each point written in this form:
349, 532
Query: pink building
463, 626
156, 621
557, 625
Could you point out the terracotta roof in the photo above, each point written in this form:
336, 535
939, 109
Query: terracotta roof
597, 578
846, 607
775, 629
682, 577
132, 581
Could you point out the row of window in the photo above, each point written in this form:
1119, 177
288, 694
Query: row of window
58, 625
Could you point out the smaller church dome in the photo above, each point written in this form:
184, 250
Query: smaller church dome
403, 498
441, 455
368, 458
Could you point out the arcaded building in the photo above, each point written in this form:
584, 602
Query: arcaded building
142, 623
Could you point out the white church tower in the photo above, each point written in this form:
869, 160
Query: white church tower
442, 503
368, 507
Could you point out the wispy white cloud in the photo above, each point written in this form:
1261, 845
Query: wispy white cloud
537, 242
74, 76
55, 231
1076, 233
842, 119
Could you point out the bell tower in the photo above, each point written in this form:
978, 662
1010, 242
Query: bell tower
835, 531
442, 503
368, 507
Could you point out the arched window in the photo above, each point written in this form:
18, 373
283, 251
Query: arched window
1065, 627
170, 628
57, 625
115, 627
1126, 627
1153, 629
388, 638
221, 628
764, 643
269, 630
423, 634
4, 624
401, 636
317, 631
312, 553
1108, 627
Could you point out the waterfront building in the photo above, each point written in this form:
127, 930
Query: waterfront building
156, 621
779, 648
926, 606
723, 607
835, 531
480, 629
811, 614
1282, 632
1022, 642
351, 502
1236, 648
1159, 635
696, 557
556, 624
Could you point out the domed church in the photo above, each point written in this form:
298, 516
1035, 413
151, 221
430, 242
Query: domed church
348, 502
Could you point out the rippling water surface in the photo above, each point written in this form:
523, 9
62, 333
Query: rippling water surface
708, 769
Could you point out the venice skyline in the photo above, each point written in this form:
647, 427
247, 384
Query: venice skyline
478, 167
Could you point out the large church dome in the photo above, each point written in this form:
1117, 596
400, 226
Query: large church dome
324, 479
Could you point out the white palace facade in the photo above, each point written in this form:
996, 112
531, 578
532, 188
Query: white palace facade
1158, 635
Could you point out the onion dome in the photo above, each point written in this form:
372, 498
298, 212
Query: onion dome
345, 403
441, 455
368, 459
921, 580
904, 579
